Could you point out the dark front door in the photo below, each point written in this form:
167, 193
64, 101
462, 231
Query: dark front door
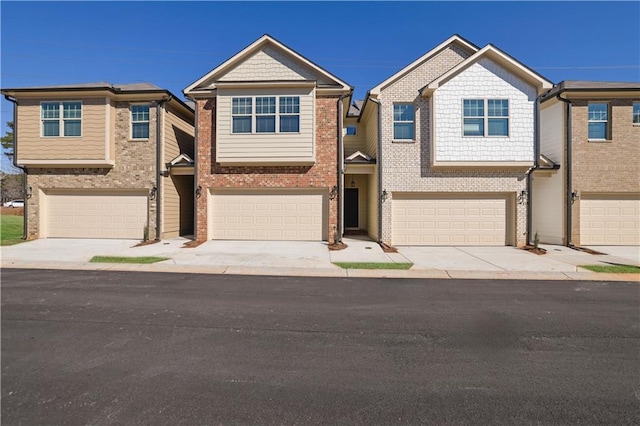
351, 207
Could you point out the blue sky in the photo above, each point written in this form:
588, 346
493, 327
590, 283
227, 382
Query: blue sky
172, 44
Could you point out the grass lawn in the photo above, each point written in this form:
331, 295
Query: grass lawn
117, 259
371, 265
616, 269
10, 230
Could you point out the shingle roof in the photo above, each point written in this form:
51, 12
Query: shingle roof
355, 108
130, 87
598, 85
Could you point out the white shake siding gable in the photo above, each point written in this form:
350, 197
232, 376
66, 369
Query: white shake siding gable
484, 80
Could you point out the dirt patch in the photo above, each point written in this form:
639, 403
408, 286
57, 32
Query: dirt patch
12, 211
337, 246
586, 250
387, 248
534, 250
146, 243
192, 244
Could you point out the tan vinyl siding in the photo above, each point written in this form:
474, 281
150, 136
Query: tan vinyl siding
372, 200
257, 147
171, 212
552, 131
356, 142
90, 146
178, 136
371, 130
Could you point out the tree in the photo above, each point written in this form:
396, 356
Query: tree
10, 186
7, 140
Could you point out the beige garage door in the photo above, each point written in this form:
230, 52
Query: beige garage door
444, 220
267, 216
610, 220
96, 216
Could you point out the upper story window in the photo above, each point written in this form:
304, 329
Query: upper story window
599, 125
403, 122
272, 114
636, 113
139, 121
485, 117
67, 123
351, 130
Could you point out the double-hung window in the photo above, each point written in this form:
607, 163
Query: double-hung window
61, 118
289, 114
485, 117
403, 122
272, 114
266, 114
598, 115
636, 113
139, 121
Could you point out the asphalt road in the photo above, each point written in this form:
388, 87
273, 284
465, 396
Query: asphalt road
89, 347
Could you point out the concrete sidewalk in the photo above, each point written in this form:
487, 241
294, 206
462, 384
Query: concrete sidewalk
314, 259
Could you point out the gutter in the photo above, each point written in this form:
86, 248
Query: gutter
536, 166
159, 175
341, 170
569, 184
379, 166
25, 211
195, 168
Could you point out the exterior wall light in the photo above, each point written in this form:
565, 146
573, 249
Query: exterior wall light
333, 193
522, 197
153, 193
384, 196
28, 192
575, 196
198, 191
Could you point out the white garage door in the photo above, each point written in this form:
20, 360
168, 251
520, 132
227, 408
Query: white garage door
443, 220
96, 216
267, 216
610, 220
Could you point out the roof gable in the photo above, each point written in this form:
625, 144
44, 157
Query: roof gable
267, 60
501, 58
454, 39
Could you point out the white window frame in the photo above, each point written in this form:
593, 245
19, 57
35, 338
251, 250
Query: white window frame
132, 121
486, 117
60, 119
254, 114
412, 121
607, 132
635, 115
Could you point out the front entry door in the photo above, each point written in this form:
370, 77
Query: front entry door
351, 207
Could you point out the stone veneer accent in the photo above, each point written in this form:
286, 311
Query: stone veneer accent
134, 168
406, 166
323, 174
603, 166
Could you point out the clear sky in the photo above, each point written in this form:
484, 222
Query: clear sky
172, 44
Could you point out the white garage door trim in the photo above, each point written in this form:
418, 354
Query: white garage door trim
609, 219
451, 219
283, 215
96, 214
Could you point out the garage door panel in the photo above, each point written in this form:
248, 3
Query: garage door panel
434, 220
96, 216
610, 220
268, 216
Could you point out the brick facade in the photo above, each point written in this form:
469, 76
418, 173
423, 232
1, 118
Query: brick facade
321, 175
603, 166
407, 166
134, 169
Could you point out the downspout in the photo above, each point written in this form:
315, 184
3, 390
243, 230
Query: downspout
536, 166
569, 200
341, 171
159, 175
379, 167
196, 193
25, 210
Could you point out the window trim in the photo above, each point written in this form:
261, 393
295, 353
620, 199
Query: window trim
607, 134
61, 119
131, 122
254, 114
486, 117
633, 113
412, 121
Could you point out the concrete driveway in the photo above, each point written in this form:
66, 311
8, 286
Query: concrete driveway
303, 257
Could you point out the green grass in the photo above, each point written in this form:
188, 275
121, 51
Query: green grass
10, 230
615, 269
118, 259
372, 265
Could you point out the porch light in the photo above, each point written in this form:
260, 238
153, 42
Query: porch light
522, 198
333, 193
198, 191
575, 196
384, 196
153, 193
28, 192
